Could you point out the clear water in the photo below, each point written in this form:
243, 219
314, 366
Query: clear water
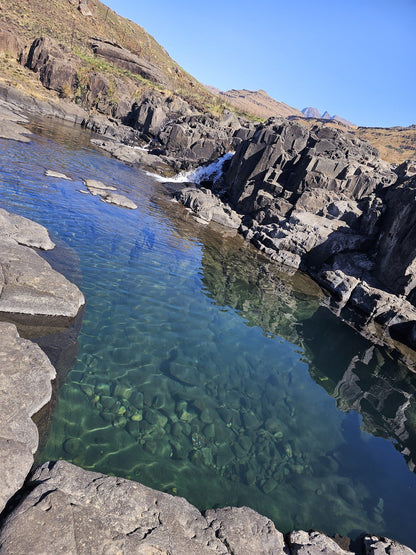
204, 372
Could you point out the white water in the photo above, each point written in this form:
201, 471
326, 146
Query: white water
213, 172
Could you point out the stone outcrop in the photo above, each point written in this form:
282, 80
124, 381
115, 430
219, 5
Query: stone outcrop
98, 513
123, 58
10, 127
154, 109
25, 387
70, 510
323, 201
30, 290
396, 248
199, 139
19, 102
56, 65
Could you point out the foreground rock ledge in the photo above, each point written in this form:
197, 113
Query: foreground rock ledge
70, 510
25, 387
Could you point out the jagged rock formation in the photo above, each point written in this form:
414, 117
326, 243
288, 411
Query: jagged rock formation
322, 200
208, 207
56, 65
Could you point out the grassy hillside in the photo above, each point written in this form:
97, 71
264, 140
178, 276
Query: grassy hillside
258, 103
62, 21
396, 144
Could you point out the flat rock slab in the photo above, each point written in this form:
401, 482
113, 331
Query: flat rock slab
29, 286
71, 510
57, 175
118, 200
94, 186
9, 125
25, 387
14, 131
97, 188
24, 231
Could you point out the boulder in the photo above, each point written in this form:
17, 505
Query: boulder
24, 231
194, 140
208, 207
246, 532
25, 387
87, 512
110, 96
123, 58
84, 9
154, 110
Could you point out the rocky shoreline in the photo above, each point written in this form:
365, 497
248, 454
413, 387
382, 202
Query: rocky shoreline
320, 199
107, 514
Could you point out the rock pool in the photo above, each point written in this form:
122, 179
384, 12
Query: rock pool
205, 372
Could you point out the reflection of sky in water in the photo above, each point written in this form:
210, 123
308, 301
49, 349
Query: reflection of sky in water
195, 364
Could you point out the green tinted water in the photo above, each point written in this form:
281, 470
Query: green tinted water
204, 372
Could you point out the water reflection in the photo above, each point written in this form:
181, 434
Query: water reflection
367, 378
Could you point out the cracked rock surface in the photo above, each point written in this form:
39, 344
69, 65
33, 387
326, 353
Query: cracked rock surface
87, 512
25, 387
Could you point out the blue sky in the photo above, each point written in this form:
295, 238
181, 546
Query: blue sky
356, 59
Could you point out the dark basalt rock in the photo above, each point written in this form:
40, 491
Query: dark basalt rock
56, 65
287, 161
396, 248
154, 110
323, 201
